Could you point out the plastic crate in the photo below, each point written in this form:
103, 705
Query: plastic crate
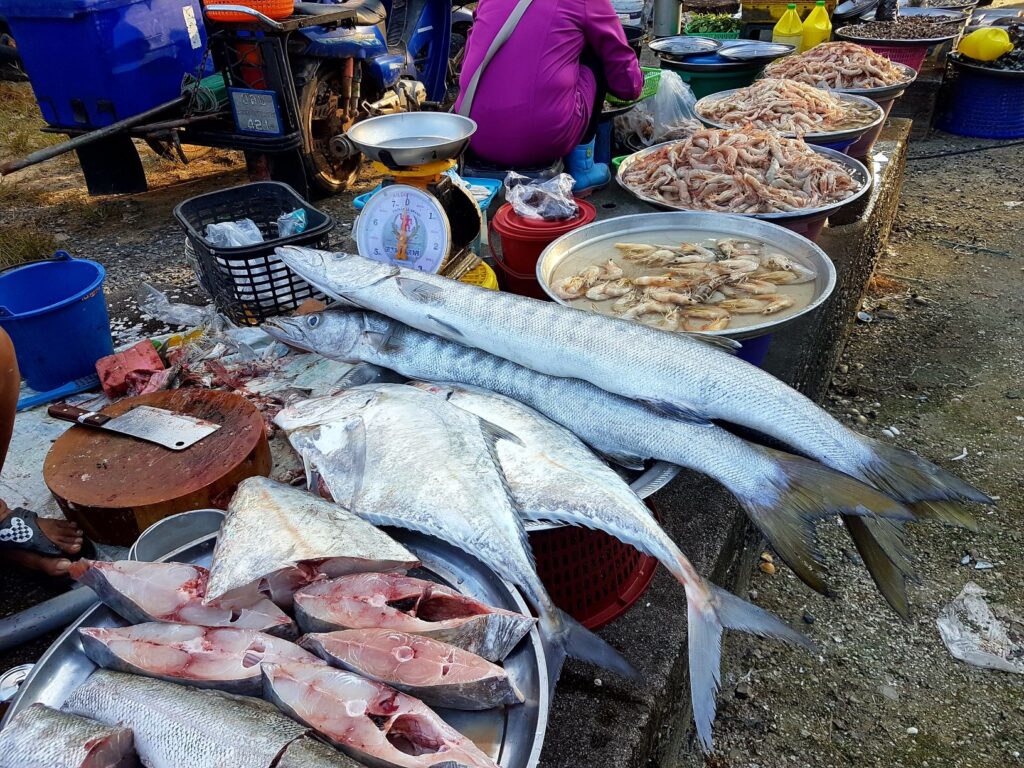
590, 575
95, 62
770, 12
652, 77
911, 55
250, 284
980, 104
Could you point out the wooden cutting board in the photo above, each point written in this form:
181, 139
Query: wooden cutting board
115, 486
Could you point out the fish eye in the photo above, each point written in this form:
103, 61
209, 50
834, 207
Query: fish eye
313, 321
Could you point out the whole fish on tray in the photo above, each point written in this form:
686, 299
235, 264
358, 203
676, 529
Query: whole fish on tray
416, 606
436, 673
41, 737
310, 753
176, 726
372, 722
174, 593
274, 534
374, 452
205, 657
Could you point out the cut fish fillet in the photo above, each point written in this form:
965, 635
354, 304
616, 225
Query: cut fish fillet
174, 592
204, 657
434, 672
375, 724
416, 606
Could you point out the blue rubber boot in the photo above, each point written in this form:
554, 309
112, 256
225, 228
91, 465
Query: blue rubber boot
588, 174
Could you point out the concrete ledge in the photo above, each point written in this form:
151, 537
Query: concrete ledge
613, 724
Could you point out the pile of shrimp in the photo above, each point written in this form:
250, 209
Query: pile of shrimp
786, 106
839, 64
692, 287
739, 171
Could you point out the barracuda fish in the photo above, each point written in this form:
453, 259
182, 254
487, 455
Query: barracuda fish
274, 534
173, 593
372, 457
782, 494
204, 657
369, 720
671, 372
40, 737
175, 725
436, 673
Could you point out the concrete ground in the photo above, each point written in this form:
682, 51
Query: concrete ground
940, 361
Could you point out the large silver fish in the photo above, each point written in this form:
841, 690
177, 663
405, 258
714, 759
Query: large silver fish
782, 494
675, 373
398, 456
275, 533
310, 753
176, 726
40, 737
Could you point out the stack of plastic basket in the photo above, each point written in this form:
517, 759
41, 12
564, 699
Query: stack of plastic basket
981, 102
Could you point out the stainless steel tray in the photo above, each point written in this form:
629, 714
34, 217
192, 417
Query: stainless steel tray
885, 92
843, 34
412, 138
859, 172
830, 137
512, 736
641, 225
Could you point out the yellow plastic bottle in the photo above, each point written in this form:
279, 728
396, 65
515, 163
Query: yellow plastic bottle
788, 30
817, 27
986, 44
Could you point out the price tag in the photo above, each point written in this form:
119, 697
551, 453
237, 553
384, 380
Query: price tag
255, 111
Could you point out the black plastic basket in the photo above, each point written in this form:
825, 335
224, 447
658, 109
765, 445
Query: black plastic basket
250, 284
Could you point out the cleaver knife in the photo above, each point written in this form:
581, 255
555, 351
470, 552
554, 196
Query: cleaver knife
155, 425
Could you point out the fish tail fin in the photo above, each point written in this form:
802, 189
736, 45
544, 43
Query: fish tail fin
886, 557
705, 625
785, 510
913, 480
573, 639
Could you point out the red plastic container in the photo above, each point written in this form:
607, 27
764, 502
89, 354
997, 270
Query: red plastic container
522, 240
514, 282
590, 575
862, 147
911, 55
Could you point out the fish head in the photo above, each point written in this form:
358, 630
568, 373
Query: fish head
336, 274
334, 333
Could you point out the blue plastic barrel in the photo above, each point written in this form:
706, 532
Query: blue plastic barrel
755, 350
982, 102
56, 315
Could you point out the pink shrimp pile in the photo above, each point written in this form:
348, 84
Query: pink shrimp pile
839, 64
741, 171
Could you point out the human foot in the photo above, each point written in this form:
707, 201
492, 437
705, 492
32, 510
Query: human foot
37, 543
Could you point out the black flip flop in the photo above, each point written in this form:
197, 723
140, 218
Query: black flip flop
20, 530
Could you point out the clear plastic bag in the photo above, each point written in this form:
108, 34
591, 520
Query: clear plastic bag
234, 234
667, 116
293, 223
549, 200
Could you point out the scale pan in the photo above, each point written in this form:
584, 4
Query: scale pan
412, 138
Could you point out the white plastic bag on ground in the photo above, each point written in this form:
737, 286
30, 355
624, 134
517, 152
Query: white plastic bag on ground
985, 636
666, 116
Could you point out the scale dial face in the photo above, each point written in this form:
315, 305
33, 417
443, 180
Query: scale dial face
405, 226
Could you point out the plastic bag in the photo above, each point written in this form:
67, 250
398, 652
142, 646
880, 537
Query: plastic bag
156, 304
293, 223
234, 234
549, 200
667, 116
984, 635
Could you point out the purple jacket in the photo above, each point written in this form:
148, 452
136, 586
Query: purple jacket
534, 100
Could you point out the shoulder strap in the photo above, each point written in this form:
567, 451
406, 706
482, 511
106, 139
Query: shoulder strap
499, 40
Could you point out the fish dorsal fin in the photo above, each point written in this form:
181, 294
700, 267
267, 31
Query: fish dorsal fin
718, 342
418, 290
675, 411
499, 433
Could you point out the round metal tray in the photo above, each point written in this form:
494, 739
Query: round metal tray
412, 138
512, 736
842, 34
756, 51
856, 169
679, 47
958, 62
885, 92
603, 234
833, 137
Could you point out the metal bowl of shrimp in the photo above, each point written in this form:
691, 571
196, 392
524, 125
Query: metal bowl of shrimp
719, 274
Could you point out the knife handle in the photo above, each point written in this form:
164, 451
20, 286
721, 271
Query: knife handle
66, 412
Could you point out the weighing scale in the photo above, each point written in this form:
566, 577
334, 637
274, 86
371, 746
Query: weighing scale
422, 218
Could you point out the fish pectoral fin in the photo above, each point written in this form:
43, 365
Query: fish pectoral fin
447, 329
675, 411
718, 342
623, 459
417, 290
499, 433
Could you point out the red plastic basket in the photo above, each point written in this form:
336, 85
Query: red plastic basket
590, 575
911, 55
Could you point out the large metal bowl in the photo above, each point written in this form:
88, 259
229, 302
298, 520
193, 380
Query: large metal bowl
826, 137
845, 33
603, 234
412, 138
881, 93
856, 169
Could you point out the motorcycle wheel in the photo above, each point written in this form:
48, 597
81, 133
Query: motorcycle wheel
323, 116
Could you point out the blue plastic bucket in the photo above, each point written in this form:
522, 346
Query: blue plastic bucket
754, 350
56, 315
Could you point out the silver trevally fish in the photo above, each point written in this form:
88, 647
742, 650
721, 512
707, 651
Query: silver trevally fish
175, 725
398, 456
781, 493
40, 737
672, 372
273, 533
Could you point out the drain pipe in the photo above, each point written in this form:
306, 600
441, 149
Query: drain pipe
55, 613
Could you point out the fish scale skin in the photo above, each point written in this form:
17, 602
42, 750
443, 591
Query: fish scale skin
617, 355
310, 753
180, 727
41, 737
